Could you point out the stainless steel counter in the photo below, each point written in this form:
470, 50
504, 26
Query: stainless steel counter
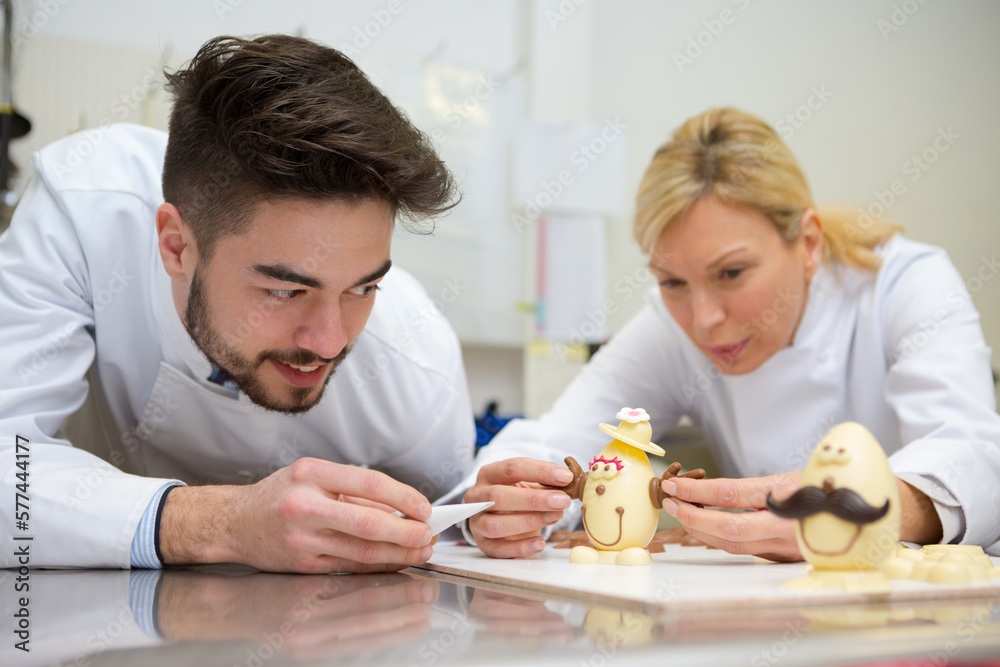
234, 616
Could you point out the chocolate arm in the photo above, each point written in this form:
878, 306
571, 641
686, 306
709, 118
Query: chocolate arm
656, 494
575, 488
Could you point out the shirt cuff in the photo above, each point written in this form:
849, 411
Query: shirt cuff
948, 509
145, 550
143, 591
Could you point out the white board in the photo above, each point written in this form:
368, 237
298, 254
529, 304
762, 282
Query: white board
680, 578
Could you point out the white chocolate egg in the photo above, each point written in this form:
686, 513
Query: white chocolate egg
617, 511
849, 457
615, 628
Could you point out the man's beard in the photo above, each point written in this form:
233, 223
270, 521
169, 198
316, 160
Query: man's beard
245, 373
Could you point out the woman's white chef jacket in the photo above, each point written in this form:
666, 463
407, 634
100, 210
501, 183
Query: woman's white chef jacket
900, 351
81, 283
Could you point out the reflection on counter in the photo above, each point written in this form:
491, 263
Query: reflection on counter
234, 616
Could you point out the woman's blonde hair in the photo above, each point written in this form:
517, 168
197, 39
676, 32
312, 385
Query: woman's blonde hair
740, 159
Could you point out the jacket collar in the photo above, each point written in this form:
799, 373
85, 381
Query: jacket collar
177, 346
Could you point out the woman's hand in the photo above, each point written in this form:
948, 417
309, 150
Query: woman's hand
523, 505
756, 532
761, 533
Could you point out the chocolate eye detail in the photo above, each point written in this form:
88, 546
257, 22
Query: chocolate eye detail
607, 467
594, 467
840, 451
826, 448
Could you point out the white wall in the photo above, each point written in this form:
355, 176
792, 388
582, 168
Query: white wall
888, 98
888, 94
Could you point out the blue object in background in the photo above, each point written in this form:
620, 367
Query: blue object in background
489, 424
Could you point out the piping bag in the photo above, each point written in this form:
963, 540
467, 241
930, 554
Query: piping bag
445, 516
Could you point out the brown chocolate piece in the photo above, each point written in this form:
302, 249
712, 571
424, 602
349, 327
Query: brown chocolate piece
565, 539
559, 536
656, 494
569, 539
574, 542
575, 488
691, 541
664, 537
672, 536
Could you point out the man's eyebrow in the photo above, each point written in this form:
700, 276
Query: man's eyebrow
285, 274
376, 274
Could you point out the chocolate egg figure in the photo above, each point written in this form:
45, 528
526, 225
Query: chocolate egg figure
618, 514
847, 511
615, 628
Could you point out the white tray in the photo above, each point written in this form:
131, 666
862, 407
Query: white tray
680, 578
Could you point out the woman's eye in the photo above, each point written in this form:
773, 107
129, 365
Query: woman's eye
283, 294
364, 290
671, 283
731, 274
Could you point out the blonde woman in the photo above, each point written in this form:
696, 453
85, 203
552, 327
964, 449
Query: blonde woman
774, 321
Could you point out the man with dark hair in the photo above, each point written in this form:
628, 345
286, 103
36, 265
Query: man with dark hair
230, 325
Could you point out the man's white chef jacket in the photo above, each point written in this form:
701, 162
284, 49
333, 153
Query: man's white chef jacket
81, 283
901, 351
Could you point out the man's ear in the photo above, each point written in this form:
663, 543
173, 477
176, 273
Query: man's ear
177, 246
811, 234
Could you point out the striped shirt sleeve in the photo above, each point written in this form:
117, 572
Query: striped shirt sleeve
144, 553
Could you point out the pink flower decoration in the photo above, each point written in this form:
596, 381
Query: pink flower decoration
632, 415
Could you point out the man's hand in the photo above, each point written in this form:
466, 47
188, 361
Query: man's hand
756, 532
512, 527
312, 516
309, 617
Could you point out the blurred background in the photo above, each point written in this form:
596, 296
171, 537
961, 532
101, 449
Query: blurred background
548, 112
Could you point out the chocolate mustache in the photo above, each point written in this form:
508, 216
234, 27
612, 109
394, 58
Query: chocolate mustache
843, 503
